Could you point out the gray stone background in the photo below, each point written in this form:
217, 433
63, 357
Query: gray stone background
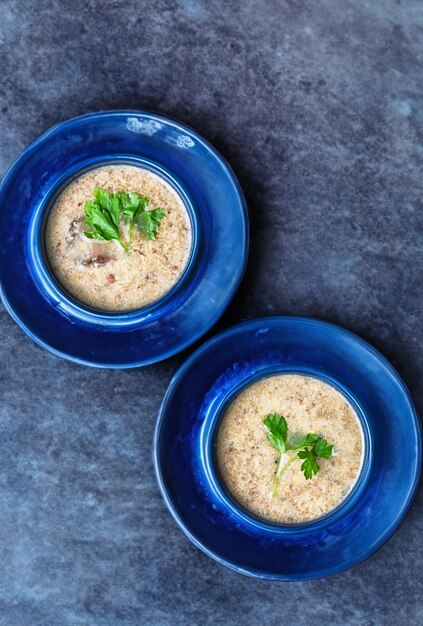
318, 106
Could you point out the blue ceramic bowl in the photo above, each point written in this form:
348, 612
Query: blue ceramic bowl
219, 223
190, 484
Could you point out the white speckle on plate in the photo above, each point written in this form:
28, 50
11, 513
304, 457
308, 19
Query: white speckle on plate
181, 141
262, 331
144, 127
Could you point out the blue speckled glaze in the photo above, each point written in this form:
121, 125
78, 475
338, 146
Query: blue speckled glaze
183, 449
218, 257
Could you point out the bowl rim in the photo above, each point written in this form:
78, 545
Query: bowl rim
36, 247
210, 428
244, 241
256, 573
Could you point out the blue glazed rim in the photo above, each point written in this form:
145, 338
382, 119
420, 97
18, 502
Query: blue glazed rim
173, 323
207, 453
181, 513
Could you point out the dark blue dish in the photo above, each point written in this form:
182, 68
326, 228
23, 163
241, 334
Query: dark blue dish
219, 222
183, 449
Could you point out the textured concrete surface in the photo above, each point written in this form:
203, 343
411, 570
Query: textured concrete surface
319, 108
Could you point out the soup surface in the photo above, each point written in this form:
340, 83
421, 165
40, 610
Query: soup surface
101, 274
248, 463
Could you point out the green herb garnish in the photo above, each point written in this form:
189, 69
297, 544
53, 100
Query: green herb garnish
308, 448
109, 211
148, 222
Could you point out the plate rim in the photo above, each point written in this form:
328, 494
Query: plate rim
255, 573
140, 362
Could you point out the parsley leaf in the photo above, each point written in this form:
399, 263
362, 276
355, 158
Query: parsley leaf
308, 448
323, 449
320, 448
314, 448
131, 202
277, 431
148, 222
102, 197
106, 213
132, 206
309, 465
297, 441
101, 222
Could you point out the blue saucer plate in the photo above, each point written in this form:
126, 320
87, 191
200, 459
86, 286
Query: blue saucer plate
184, 460
219, 222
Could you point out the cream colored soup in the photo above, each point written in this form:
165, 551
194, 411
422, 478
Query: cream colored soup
99, 273
247, 462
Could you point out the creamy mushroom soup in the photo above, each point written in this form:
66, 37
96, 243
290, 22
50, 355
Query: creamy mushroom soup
135, 269
262, 453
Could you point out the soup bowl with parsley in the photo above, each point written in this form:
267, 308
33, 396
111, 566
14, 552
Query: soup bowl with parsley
119, 237
287, 448
125, 235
